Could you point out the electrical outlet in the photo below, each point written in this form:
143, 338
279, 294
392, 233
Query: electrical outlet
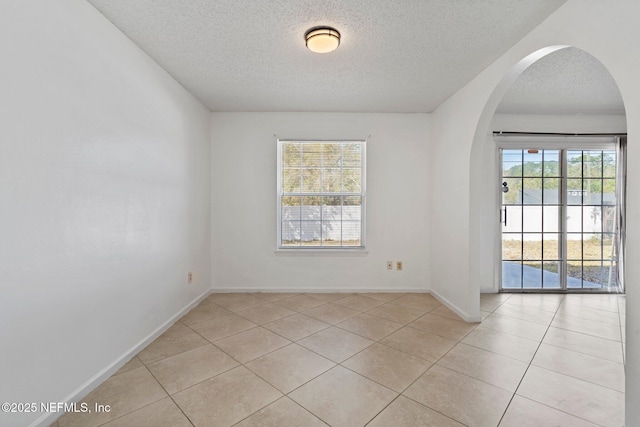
189, 277
389, 265
399, 265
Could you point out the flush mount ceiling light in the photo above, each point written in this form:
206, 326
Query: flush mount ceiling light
322, 39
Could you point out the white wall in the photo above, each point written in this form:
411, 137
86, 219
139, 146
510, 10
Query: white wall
104, 186
244, 176
608, 31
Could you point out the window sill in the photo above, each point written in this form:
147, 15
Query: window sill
322, 252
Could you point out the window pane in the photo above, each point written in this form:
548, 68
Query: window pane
574, 246
290, 226
532, 246
331, 180
311, 233
609, 219
551, 275
352, 155
532, 219
574, 219
351, 180
331, 208
532, 191
609, 274
514, 219
311, 154
291, 155
592, 219
352, 200
550, 245
592, 275
351, 233
512, 162
311, 181
592, 161
609, 164
532, 275
291, 180
511, 275
608, 247
515, 188
599, 275
574, 191
352, 208
331, 233
511, 246
291, 207
331, 221
551, 163
574, 164
331, 155
311, 208
290, 233
574, 274
609, 191
591, 246
532, 163
592, 192
550, 218
551, 191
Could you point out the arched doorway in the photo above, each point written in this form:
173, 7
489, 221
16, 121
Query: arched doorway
541, 117
484, 198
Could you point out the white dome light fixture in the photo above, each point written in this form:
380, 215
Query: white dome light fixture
322, 39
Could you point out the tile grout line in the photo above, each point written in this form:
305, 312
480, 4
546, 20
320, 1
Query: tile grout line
356, 373
623, 320
345, 367
427, 370
527, 370
374, 341
515, 392
284, 396
553, 345
171, 397
413, 382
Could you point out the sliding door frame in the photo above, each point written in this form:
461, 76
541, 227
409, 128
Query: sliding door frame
563, 143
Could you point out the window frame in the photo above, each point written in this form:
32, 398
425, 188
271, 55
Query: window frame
280, 194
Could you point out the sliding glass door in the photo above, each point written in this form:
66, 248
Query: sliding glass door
558, 212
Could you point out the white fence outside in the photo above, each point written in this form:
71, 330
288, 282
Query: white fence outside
308, 223
529, 220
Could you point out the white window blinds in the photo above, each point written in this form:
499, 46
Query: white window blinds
321, 194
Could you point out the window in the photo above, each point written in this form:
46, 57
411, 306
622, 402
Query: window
321, 194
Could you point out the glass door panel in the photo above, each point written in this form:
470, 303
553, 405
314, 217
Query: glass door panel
558, 219
591, 219
531, 184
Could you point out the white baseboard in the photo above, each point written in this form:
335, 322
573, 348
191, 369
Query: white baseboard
319, 290
457, 310
79, 393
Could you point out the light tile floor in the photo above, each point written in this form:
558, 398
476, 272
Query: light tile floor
377, 360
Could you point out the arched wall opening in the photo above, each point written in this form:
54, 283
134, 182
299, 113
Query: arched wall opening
484, 249
459, 130
484, 244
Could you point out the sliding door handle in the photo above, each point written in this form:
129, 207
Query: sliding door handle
503, 221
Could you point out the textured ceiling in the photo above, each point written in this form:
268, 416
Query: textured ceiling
395, 56
567, 81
